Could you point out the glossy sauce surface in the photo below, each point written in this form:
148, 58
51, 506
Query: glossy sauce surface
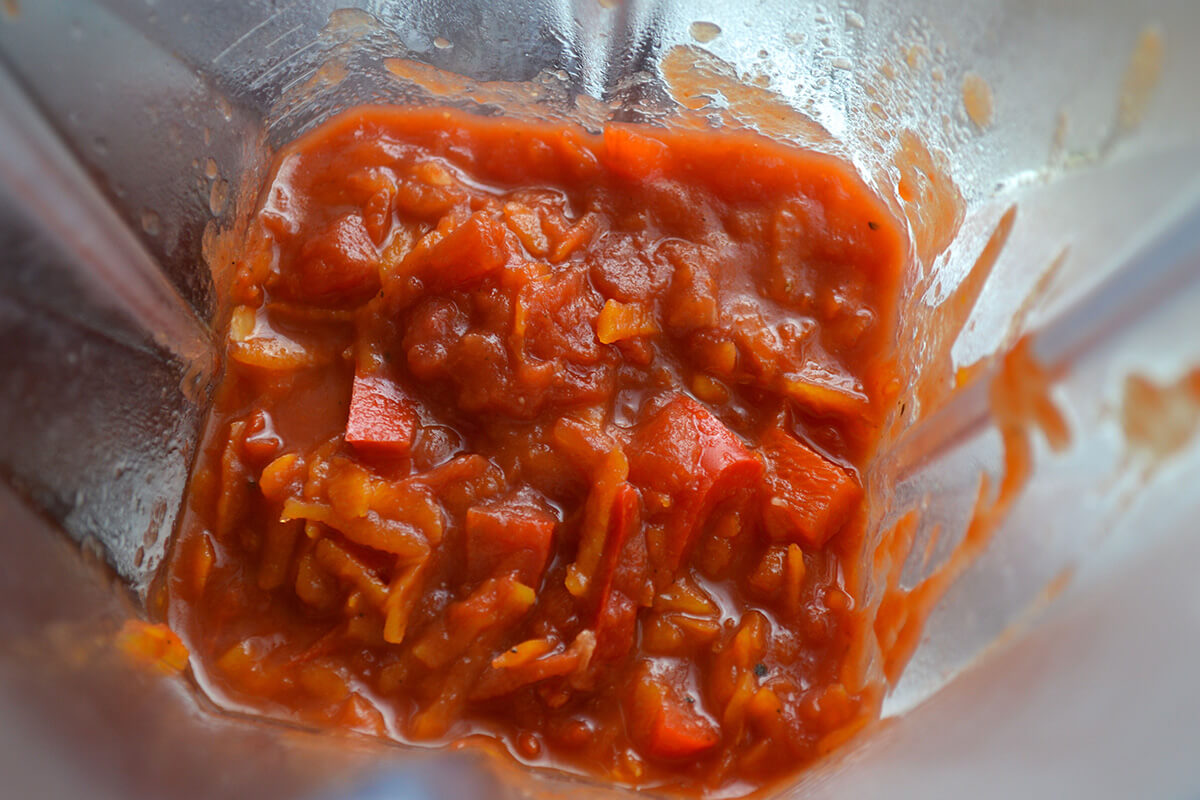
551, 437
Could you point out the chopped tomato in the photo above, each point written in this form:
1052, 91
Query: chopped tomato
688, 454
467, 253
665, 725
510, 536
338, 267
808, 497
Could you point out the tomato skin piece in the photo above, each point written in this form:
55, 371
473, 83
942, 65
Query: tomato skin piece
382, 420
621, 577
336, 268
509, 536
807, 497
684, 451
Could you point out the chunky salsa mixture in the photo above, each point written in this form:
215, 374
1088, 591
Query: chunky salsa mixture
550, 437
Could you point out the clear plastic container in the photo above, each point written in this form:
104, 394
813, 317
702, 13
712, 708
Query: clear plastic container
128, 127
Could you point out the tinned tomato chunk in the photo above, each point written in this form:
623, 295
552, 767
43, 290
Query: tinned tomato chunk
686, 453
512, 535
664, 723
467, 253
808, 498
337, 266
382, 420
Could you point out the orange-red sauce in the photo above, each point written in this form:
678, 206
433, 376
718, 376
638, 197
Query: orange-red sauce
551, 437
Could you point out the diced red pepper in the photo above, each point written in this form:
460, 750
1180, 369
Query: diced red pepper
808, 497
468, 252
665, 726
509, 536
382, 420
685, 452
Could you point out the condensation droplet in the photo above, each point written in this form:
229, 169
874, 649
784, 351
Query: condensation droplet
207, 136
151, 223
855, 20
841, 62
442, 43
210, 169
704, 32
225, 109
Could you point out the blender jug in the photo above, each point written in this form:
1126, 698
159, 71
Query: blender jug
132, 136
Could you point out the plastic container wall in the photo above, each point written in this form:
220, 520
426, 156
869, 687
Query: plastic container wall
1081, 116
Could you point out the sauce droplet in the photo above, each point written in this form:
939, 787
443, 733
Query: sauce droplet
978, 100
704, 32
151, 223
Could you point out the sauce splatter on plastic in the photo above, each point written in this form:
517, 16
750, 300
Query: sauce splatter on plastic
1160, 419
1141, 78
978, 100
704, 32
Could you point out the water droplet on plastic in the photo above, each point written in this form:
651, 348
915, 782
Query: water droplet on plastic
151, 223
442, 43
855, 20
841, 62
210, 169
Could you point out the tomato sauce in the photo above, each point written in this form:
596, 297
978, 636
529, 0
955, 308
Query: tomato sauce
551, 437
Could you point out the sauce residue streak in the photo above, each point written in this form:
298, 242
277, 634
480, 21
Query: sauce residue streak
932, 201
1141, 78
945, 322
695, 78
1160, 419
1020, 402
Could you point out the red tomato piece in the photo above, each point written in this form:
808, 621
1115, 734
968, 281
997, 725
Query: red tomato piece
685, 452
513, 535
467, 253
337, 267
808, 498
382, 419
632, 155
665, 726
